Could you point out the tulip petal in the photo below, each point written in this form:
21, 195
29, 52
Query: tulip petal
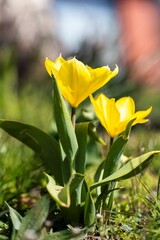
107, 113
74, 80
126, 108
115, 115
77, 81
140, 116
100, 76
49, 66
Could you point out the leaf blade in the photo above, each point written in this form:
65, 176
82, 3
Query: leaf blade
34, 218
130, 169
64, 125
15, 217
59, 194
42, 143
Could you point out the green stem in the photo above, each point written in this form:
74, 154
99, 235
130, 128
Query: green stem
111, 197
111, 142
73, 116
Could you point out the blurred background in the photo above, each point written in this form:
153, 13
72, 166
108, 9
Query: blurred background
98, 32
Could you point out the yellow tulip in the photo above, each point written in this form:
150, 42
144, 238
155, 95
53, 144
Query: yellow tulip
76, 80
115, 115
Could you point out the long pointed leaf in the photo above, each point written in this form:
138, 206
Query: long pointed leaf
15, 217
43, 144
82, 134
59, 194
75, 188
73, 214
93, 134
112, 160
130, 169
83, 130
64, 125
34, 218
90, 211
113, 156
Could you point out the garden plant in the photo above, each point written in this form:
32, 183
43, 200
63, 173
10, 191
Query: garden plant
82, 199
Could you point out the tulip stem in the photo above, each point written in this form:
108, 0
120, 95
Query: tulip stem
73, 116
111, 142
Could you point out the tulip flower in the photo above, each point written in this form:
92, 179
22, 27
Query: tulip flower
76, 80
115, 115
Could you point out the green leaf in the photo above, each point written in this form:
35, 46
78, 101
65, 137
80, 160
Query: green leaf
98, 176
68, 234
66, 171
3, 237
89, 211
158, 188
75, 188
82, 131
42, 143
68, 197
15, 217
64, 125
111, 163
93, 134
130, 169
71, 234
60, 235
99, 172
34, 218
112, 160
82, 134
73, 214
59, 194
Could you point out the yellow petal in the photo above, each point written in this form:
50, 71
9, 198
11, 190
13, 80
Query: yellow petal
74, 80
59, 61
100, 76
53, 67
49, 66
126, 108
107, 113
114, 116
77, 81
140, 116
